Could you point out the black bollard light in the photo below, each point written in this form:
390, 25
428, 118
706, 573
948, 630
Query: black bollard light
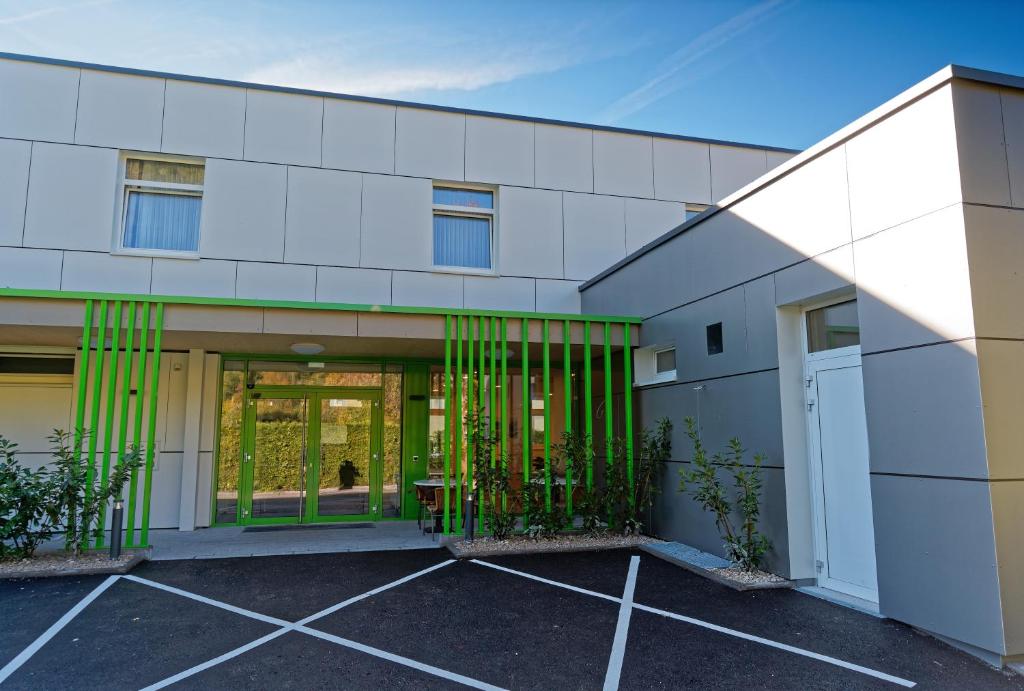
470, 515
115, 528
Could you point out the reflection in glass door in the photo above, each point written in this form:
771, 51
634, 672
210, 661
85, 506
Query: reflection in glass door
347, 463
278, 458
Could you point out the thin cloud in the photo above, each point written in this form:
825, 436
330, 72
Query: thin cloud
693, 61
46, 11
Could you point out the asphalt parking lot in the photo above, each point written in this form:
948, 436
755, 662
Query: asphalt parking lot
415, 619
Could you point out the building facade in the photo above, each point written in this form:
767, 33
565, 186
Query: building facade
853, 316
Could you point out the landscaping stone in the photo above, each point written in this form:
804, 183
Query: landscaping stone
520, 544
60, 564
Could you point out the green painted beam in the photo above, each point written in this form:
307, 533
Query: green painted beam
609, 422
481, 401
505, 393
140, 387
567, 395
470, 403
108, 420
297, 304
588, 403
546, 339
527, 426
97, 394
627, 403
446, 445
83, 377
457, 419
154, 398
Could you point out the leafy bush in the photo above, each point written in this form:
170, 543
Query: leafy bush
25, 497
745, 545
491, 475
34, 505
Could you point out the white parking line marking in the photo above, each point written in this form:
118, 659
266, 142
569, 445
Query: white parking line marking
715, 627
383, 654
22, 657
301, 627
611, 677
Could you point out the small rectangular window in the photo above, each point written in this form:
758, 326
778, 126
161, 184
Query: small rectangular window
714, 337
835, 326
665, 361
463, 228
161, 205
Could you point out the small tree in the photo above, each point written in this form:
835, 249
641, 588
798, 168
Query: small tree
745, 545
574, 451
490, 471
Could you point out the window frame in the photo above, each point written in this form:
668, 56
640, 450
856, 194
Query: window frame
126, 186
646, 365
827, 354
491, 215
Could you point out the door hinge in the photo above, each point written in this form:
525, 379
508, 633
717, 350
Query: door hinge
808, 381
810, 404
819, 565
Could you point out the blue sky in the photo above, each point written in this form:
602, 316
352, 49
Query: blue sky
779, 72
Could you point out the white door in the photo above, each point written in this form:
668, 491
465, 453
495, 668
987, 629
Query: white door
841, 486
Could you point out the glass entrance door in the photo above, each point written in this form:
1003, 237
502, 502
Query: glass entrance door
312, 455
346, 432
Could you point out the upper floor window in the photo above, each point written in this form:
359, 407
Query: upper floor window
161, 204
654, 364
463, 228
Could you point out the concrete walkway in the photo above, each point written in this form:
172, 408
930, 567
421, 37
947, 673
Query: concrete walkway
212, 543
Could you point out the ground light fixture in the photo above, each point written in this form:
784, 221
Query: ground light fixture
307, 348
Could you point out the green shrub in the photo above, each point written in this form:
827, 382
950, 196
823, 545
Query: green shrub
745, 545
491, 475
25, 501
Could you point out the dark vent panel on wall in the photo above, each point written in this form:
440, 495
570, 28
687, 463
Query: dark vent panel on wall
36, 365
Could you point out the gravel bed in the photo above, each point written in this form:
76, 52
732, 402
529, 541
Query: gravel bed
754, 578
486, 546
60, 564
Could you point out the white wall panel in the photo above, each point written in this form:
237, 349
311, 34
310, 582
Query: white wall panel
995, 247
623, 164
733, 167
203, 119
71, 197
359, 136
1013, 125
595, 234
904, 166
984, 178
397, 223
682, 171
558, 296
353, 286
276, 282
777, 158
105, 272
119, 110
564, 158
14, 163
199, 277
430, 144
283, 128
530, 232
499, 293
647, 219
420, 289
39, 101
30, 269
499, 151
322, 220
243, 211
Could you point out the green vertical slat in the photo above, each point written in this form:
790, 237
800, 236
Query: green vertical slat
527, 421
627, 402
126, 382
447, 427
140, 387
567, 395
83, 377
492, 387
108, 422
504, 400
609, 429
97, 394
470, 403
481, 395
588, 404
151, 431
457, 419
547, 414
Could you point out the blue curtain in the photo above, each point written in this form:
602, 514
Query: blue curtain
462, 241
162, 221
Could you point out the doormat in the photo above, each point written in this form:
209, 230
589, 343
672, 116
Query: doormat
318, 526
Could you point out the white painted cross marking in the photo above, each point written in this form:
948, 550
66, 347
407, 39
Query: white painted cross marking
714, 627
22, 657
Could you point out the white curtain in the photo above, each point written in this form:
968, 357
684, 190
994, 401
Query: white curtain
162, 221
462, 241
